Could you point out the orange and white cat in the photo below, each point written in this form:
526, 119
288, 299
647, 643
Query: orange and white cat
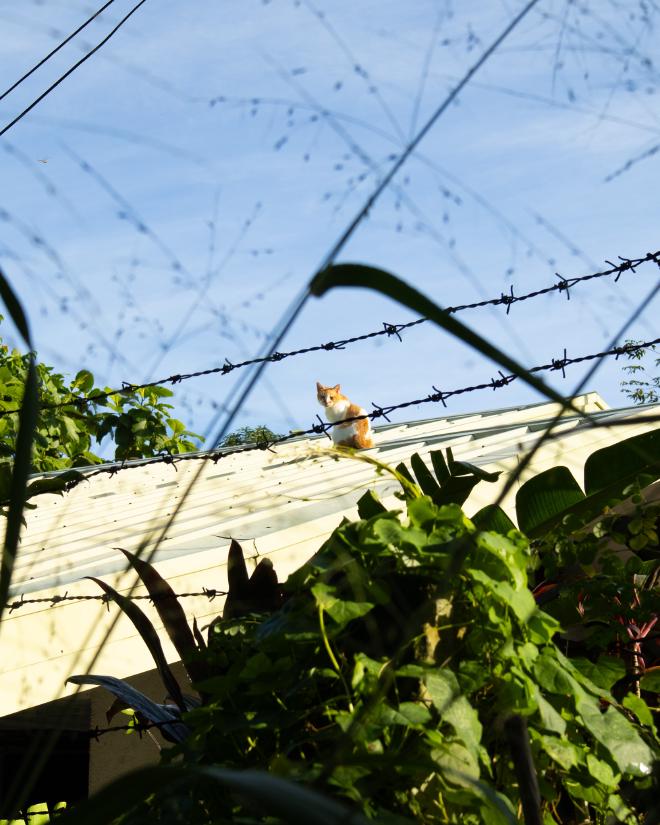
338, 407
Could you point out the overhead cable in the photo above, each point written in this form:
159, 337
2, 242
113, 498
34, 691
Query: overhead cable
55, 50
70, 71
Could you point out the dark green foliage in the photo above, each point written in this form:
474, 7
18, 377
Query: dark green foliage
387, 681
623, 462
641, 388
551, 497
170, 786
601, 582
382, 682
14, 474
454, 480
545, 496
137, 422
258, 592
249, 435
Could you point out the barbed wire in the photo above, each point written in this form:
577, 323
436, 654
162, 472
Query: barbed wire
379, 411
137, 727
505, 299
105, 598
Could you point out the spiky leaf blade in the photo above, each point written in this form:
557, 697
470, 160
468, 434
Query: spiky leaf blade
150, 637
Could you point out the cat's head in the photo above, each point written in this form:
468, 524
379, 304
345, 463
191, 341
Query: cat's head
327, 396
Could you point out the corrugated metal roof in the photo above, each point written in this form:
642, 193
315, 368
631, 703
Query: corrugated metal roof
282, 503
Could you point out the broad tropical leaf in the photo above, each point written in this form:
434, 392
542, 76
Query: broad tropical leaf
545, 496
623, 461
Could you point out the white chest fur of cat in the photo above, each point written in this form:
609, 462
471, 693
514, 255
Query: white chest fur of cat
338, 407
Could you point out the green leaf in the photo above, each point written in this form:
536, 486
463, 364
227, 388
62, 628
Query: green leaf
369, 505
150, 637
521, 602
463, 468
368, 277
170, 611
651, 680
559, 750
442, 686
457, 489
554, 678
603, 673
440, 466
425, 478
84, 381
546, 495
492, 517
27, 422
602, 771
623, 460
15, 309
339, 610
617, 734
593, 793
500, 811
54, 484
405, 472
455, 709
550, 719
176, 426
238, 580
641, 710
408, 714
465, 720
290, 801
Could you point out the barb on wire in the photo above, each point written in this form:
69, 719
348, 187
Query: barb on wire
390, 330
137, 726
324, 427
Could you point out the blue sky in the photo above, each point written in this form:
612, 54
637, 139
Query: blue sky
225, 148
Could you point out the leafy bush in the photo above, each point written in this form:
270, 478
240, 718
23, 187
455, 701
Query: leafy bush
389, 677
641, 388
138, 422
249, 435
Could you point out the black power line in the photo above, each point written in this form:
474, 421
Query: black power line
563, 285
55, 50
71, 70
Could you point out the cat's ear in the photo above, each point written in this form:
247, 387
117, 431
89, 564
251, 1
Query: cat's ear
336, 388
319, 387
